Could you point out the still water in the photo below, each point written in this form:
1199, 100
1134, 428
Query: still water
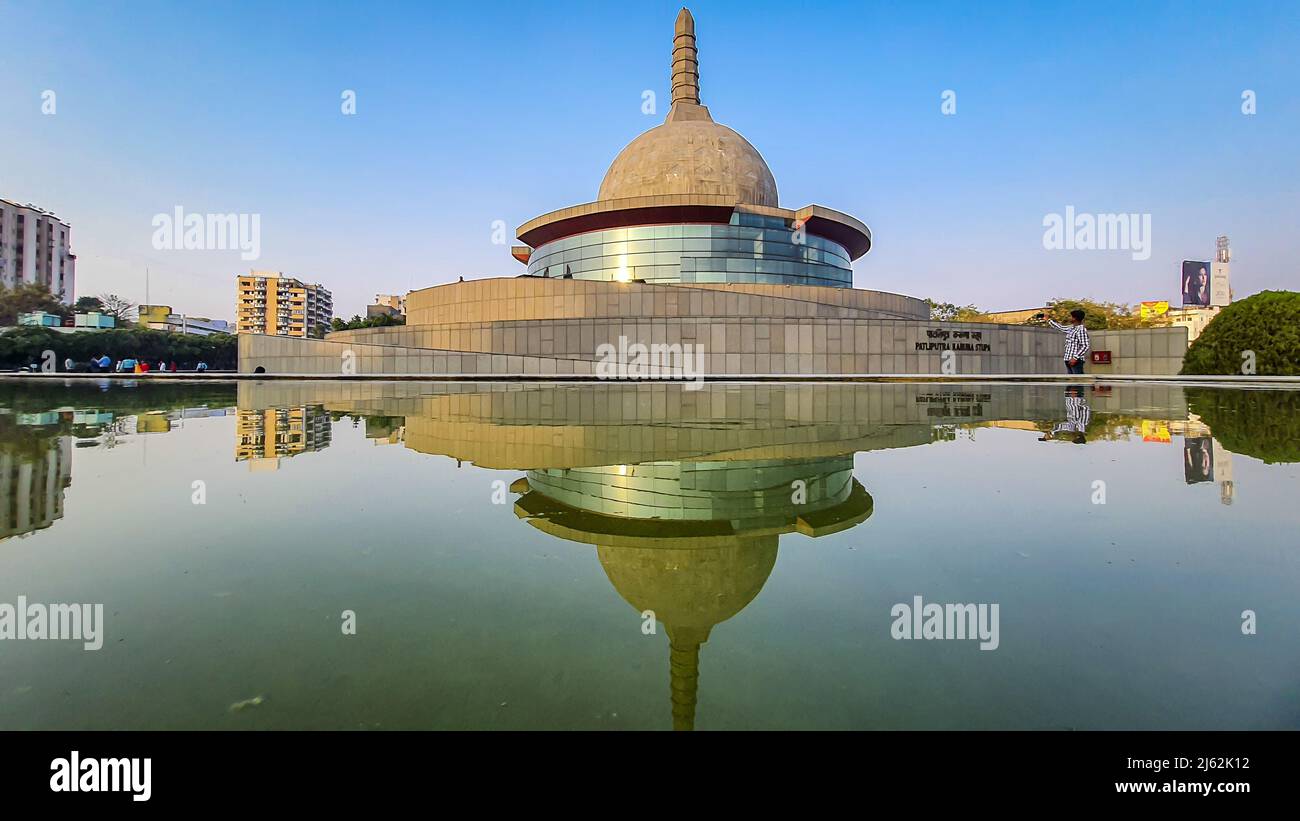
644, 556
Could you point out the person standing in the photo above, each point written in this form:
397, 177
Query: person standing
1077, 344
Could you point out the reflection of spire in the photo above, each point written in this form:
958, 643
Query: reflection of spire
683, 677
686, 65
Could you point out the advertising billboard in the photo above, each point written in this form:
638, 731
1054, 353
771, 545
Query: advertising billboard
1198, 459
1150, 309
1196, 283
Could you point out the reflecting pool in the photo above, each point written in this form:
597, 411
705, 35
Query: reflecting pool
643, 556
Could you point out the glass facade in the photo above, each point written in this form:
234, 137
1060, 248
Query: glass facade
752, 248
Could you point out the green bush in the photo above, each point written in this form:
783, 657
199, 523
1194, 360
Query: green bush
1267, 323
1262, 424
25, 345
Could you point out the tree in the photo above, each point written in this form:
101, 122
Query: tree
948, 312
25, 298
1261, 332
22, 346
379, 321
118, 307
88, 304
1099, 315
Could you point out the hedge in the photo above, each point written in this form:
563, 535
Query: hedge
1267, 323
22, 346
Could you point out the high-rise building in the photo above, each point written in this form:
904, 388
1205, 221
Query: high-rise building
35, 247
267, 302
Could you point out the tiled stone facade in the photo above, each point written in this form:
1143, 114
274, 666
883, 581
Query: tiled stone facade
1141, 352
539, 327
731, 347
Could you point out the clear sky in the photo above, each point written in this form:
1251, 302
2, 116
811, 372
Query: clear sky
468, 113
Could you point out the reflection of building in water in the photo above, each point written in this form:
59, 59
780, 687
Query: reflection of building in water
692, 542
1223, 472
685, 493
33, 476
263, 436
385, 430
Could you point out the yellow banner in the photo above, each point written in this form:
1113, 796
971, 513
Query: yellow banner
1154, 430
1153, 309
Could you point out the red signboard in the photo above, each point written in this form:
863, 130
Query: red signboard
1101, 357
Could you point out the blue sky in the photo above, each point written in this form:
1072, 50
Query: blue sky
471, 113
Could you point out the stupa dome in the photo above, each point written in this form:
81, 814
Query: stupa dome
689, 153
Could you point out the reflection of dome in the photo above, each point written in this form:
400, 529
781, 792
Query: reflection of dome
689, 153
691, 542
691, 589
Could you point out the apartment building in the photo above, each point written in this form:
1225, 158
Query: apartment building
35, 247
270, 303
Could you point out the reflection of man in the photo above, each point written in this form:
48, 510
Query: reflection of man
1077, 415
1077, 343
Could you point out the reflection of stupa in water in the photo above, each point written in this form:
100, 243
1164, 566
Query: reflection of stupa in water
693, 542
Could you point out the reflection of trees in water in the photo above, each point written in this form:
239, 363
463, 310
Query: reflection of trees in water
1264, 424
39, 431
42, 396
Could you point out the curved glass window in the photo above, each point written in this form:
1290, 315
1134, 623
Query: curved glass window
755, 249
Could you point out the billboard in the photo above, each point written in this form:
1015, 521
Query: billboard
1198, 459
1220, 292
1196, 283
1150, 309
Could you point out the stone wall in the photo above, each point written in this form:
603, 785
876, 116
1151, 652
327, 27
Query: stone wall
1140, 352
731, 346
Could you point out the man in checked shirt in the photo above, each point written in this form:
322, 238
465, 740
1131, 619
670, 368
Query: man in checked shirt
1077, 344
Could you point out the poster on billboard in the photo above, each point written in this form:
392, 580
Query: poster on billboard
1220, 291
1196, 283
1198, 459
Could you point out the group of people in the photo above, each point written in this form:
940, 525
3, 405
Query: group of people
105, 364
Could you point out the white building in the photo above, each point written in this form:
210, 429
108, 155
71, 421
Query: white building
390, 304
35, 247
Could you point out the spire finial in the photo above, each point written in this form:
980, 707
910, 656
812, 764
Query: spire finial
686, 62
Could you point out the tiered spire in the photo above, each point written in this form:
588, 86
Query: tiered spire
686, 61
